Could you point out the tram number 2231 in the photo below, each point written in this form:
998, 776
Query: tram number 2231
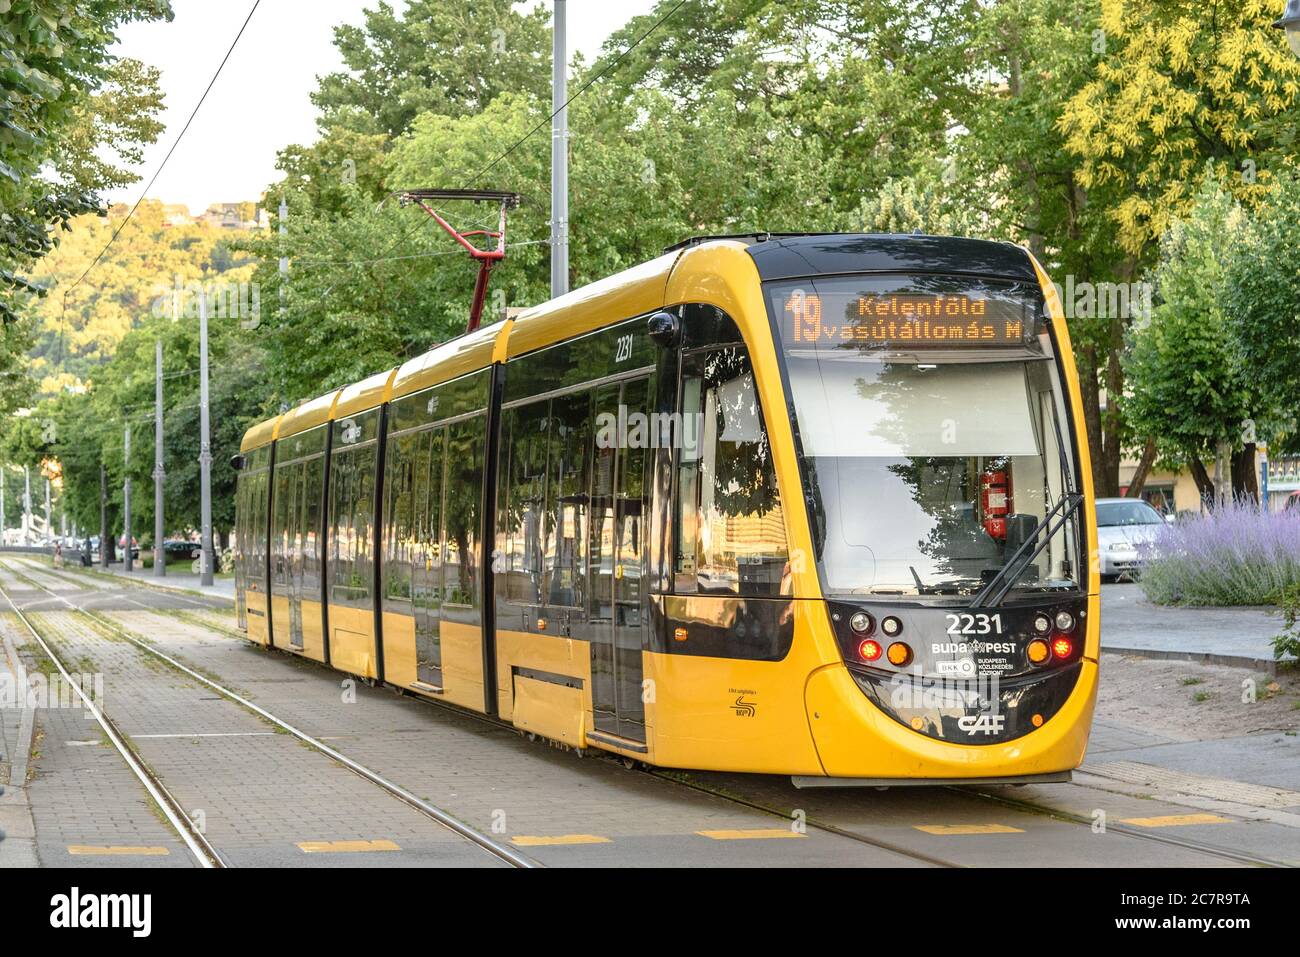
974, 624
623, 350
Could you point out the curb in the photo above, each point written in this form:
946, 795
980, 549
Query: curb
1268, 665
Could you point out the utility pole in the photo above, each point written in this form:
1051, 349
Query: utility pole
103, 517
27, 505
4, 478
205, 450
159, 553
126, 498
49, 526
559, 154
284, 260
284, 278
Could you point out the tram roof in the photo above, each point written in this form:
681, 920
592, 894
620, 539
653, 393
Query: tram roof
800, 256
641, 288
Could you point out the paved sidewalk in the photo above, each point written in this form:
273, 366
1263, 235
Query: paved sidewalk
177, 577
17, 723
1217, 635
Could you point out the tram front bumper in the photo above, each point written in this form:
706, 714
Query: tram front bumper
856, 739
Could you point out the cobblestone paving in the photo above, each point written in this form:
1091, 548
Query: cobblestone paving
268, 799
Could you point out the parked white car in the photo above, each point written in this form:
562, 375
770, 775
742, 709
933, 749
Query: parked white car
1124, 524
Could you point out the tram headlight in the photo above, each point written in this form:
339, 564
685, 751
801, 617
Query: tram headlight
1064, 621
891, 626
861, 623
869, 650
1042, 624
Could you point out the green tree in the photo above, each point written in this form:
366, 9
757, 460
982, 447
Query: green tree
447, 58
1185, 90
1262, 298
55, 75
1189, 385
135, 280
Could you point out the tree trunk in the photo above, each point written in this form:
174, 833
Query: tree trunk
1112, 425
1087, 363
1204, 484
1222, 473
1245, 479
1139, 479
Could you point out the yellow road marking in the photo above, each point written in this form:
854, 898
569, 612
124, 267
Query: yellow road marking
761, 833
968, 829
1176, 820
544, 840
96, 850
331, 847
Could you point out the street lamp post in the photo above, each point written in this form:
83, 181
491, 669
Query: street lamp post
559, 153
1290, 22
126, 498
205, 453
159, 473
27, 505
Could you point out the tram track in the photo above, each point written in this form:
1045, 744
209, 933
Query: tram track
203, 851
1201, 847
687, 781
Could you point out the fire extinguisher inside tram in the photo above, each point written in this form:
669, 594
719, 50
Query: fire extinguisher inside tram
995, 502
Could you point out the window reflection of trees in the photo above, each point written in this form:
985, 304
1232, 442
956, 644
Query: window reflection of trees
731, 531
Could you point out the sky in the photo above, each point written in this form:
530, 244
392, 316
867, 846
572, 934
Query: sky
261, 102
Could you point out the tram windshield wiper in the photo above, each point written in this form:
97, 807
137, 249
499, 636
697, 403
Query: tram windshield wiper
996, 590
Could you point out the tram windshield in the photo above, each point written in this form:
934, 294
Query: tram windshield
933, 434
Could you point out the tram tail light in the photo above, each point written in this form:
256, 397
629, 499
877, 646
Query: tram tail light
869, 650
1062, 647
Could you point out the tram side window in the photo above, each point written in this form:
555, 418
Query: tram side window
309, 525
352, 511
729, 526
241, 549
259, 483
569, 440
543, 520
412, 513
283, 504
399, 520
524, 502
463, 502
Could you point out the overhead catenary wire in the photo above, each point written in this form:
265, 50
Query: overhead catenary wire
208, 89
144, 192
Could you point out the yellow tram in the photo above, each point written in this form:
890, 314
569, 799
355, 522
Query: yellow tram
811, 505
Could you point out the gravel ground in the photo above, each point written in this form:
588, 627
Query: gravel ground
1195, 702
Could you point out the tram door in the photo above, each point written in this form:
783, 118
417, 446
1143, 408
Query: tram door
619, 507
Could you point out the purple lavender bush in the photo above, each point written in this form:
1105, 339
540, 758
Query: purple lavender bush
1236, 555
